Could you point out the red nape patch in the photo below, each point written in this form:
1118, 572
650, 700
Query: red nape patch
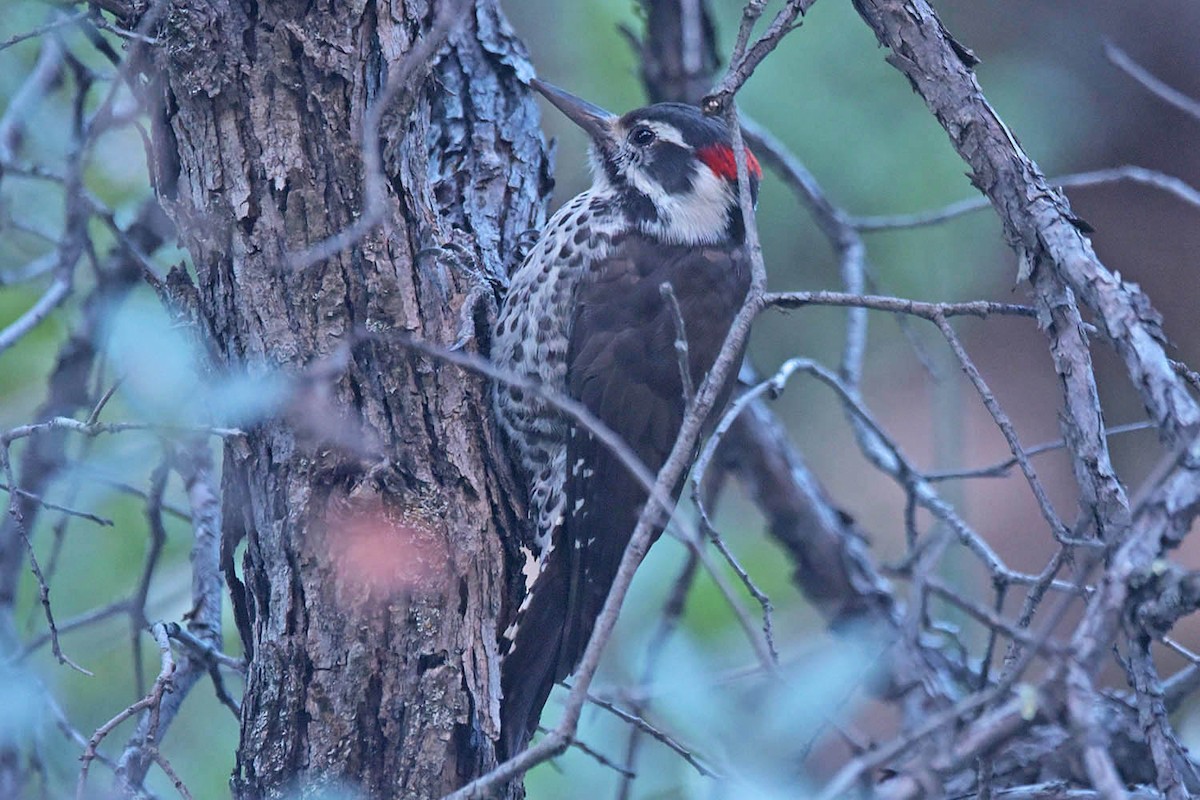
719, 159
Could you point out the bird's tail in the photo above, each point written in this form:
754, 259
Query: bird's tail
531, 666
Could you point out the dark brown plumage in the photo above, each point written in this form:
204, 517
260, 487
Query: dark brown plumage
586, 317
623, 365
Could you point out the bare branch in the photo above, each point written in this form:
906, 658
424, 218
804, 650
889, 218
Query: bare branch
1152, 716
598, 757
158, 758
129, 489
1006, 427
1051, 245
897, 305
51, 299
833, 222
1037, 218
42, 30
90, 517
653, 732
193, 461
1147, 177
75, 623
162, 684
1008, 717
681, 344
100, 428
44, 598
747, 57
1001, 469
1081, 706
1162, 91
45, 74
672, 613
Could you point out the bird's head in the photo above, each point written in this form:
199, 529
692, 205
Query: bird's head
670, 167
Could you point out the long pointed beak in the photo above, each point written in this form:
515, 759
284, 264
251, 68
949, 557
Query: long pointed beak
592, 118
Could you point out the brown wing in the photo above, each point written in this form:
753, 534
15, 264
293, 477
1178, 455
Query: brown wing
622, 365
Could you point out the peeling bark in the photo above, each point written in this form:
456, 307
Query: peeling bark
374, 509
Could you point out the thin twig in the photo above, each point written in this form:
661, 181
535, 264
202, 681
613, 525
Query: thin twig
104, 522
151, 700
1128, 172
93, 417
158, 758
897, 305
774, 385
681, 344
193, 462
41, 30
158, 538
1120, 59
99, 428
51, 299
653, 732
668, 621
887, 456
74, 623
597, 756
204, 649
849, 774
993, 621
1006, 428
833, 222
130, 489
1001, 469
746, 57
44, 598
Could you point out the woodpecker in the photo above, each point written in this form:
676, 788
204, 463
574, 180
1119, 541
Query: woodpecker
586, 317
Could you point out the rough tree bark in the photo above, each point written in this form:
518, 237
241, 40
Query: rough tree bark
373, 508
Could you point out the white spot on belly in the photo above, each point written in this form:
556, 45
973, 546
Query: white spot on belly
531, 570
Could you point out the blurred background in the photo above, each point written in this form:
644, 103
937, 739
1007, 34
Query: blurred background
852, 119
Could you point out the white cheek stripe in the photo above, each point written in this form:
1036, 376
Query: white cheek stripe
699, 217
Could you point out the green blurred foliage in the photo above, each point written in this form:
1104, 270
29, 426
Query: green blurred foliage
92, 565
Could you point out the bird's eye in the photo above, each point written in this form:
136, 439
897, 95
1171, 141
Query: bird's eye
642, 136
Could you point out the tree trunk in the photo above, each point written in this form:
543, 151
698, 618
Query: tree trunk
374, 508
